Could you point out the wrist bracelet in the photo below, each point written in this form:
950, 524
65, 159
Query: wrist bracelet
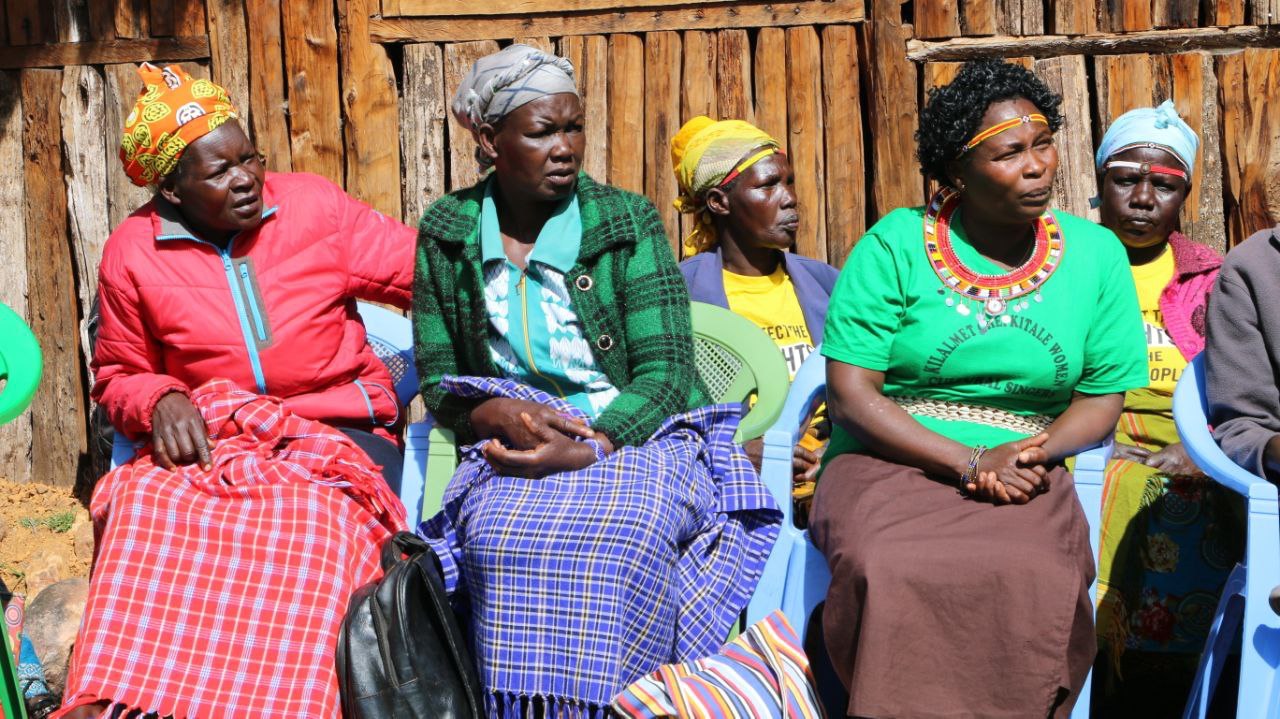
971, 472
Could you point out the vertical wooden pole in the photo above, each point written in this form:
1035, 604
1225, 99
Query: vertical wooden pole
311, 61
458, 59
270, 121
84, 150
1250, 83
422, 122
662, 120
371, 111
733, 76
937, 18
1195, 94
58, 411
161, 15
229, 45
189, 17
977, 17
893, 110
30, 22
698, 94
71, 19
1076, 181
698, 87
15, 437
1123, 82
626, 111
590, 57
770, 73
806, 130
1074, 17
846, 204
132, 18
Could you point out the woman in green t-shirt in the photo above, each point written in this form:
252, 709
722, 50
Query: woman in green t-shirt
972, 346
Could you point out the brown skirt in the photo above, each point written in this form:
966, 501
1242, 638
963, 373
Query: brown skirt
941, 606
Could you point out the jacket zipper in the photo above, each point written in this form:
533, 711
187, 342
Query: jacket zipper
528, 347
250, 345
253, 302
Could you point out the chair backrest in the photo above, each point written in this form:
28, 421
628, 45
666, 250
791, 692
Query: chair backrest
735, 358
391, 337
20, 364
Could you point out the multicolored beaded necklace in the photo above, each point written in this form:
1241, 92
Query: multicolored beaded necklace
993, 294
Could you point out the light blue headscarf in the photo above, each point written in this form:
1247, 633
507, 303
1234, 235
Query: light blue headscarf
1159, 126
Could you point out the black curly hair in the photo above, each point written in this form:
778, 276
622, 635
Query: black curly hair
953, 112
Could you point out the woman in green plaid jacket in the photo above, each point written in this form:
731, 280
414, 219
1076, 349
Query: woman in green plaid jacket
601, 522
624, 285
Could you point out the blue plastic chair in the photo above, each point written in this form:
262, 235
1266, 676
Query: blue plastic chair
1249, 585
391, 337
796, 575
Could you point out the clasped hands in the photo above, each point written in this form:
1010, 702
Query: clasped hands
532, 440
1013, 472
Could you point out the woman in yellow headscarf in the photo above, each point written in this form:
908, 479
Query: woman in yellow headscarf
739, 185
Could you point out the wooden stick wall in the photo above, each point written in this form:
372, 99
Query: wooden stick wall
358, 91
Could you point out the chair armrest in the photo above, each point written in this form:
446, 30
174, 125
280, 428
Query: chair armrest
780, 440
1193, 430
431, 457
1093, 461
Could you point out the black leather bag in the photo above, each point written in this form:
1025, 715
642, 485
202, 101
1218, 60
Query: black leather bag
401, 652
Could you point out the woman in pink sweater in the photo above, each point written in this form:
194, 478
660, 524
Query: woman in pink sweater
1168, 539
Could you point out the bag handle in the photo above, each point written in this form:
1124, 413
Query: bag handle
403, 544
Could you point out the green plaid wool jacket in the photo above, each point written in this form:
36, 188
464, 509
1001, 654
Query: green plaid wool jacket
627, 292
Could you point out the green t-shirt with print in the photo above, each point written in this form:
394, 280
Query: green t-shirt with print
1084, 333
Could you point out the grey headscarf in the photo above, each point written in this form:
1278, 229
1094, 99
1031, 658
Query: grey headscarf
499, 83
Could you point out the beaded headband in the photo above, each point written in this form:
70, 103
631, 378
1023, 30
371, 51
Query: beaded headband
1145, 168
1000, 127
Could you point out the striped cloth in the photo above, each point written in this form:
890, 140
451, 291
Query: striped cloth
762, 674
220, 593
581, 582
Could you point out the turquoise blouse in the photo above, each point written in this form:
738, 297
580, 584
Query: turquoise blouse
535, 336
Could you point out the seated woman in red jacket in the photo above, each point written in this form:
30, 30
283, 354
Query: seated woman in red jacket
223, 566
232, 271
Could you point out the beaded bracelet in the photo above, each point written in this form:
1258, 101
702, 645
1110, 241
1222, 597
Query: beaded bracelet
971, 473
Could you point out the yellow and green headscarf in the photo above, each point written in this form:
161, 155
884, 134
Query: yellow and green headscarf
706, 154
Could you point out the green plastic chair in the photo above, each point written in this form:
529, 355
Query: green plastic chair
735, 359
12, 702
20, 364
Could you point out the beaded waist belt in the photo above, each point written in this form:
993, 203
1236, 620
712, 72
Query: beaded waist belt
960, 412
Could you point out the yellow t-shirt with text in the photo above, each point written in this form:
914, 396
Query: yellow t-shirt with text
1164, 362
770, 302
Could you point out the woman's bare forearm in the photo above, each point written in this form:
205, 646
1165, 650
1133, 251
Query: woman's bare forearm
1089, 419
857, 404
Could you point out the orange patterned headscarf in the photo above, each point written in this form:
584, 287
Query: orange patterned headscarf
173, 111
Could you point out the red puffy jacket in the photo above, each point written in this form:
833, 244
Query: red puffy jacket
275, 313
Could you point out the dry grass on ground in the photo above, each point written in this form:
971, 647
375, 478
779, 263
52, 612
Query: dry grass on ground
38, 525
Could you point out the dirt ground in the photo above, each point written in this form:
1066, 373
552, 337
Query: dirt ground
39, 527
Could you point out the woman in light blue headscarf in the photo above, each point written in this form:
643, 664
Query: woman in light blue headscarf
1168, 539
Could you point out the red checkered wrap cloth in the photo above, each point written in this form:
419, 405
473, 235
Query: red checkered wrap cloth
221, 593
